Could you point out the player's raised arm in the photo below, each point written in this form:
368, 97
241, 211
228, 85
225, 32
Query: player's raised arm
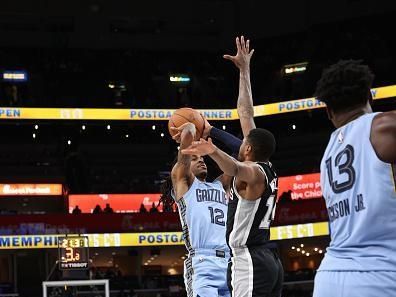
245, 97
248, 172
181, 174
383, 136
232, 142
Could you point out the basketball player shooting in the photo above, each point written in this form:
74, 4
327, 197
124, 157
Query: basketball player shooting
254, 269
358, 183
202, 208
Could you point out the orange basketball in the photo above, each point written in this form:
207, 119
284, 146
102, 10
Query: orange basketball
184, 115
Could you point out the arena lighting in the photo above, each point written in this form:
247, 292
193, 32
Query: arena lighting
179, 78
294, 68
224, 127
108, 127
153, 127
294, 127
162, 134
34, 135
36, 127
126, 135
15, 76
315, 249
111, 86
302, 245
303, 252
320, 251
307, 254
293, 247
69, 142
83, 127
298, 249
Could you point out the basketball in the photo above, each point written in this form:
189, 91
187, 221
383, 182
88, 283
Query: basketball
184, 115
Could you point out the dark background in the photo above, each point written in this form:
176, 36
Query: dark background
72, 51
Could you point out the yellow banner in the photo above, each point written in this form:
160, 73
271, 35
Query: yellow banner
300, 231
148, 239
11, 113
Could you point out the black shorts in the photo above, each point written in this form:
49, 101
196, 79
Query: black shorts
255, 272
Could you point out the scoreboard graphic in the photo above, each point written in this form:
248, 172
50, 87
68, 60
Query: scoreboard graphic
73, 253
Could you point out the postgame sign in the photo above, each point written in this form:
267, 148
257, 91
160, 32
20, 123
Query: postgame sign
73, 253
10, 113
134, 239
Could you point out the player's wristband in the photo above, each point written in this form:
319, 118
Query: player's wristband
230, 141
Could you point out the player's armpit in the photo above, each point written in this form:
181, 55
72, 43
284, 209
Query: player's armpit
383, 136
251, 174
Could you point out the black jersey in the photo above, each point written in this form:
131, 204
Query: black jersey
248, 221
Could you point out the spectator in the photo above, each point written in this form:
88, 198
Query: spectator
97, 209
76, 210
286, 197
142, 209
108, 209
153, 208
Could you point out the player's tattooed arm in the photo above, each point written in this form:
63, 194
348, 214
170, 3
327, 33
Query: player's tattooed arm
383, 136
181, 174
245, 98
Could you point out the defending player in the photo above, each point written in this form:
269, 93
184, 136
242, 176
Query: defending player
255, 270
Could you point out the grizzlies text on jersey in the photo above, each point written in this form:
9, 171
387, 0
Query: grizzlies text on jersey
203, 213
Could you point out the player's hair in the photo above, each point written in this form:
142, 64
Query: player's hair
166, 190
345, 85
262, 142
166, 193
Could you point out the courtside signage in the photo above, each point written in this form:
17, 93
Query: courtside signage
9, 113
30, 189
302, 186
149, 238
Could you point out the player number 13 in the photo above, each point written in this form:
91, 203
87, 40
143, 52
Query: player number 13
343, 162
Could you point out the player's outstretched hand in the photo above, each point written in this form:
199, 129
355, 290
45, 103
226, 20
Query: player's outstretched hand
200, 148
243, 56
179, 130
